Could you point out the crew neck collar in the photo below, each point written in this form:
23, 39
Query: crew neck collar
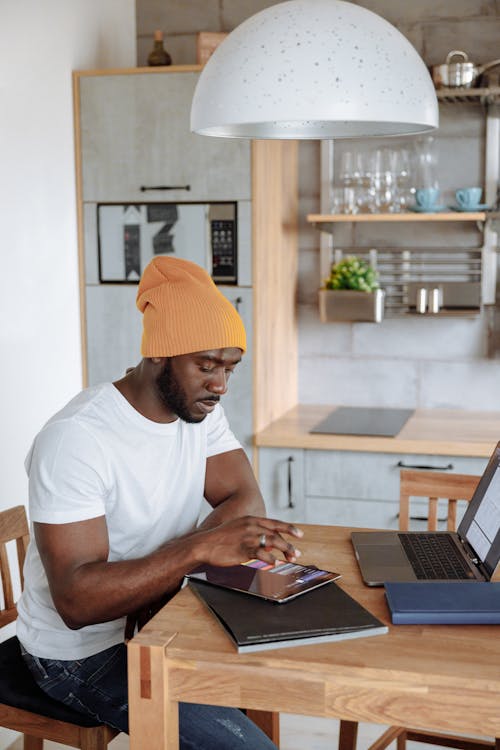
163, 428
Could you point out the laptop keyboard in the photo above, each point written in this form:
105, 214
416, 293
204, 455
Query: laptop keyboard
434, 556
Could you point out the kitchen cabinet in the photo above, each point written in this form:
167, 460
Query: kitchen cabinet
346, 488
133, 132
281, 480
114, 330
362, 489
354, 479
135, 138
133, 145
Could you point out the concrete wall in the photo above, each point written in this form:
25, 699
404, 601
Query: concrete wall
414, 363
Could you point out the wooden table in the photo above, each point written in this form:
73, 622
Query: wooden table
436, 677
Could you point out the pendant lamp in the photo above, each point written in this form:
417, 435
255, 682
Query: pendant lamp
314, 69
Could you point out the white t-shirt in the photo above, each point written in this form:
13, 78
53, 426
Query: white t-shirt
99, 456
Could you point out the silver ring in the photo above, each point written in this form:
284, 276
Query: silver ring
262, 540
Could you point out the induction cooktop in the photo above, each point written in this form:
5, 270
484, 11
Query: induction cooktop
360, 420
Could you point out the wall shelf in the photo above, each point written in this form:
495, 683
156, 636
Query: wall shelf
321, 220
487, 95
486, 257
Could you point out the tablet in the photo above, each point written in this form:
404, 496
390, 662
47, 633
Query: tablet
279, 582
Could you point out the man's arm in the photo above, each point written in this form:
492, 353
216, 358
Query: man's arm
88, 589
231, 488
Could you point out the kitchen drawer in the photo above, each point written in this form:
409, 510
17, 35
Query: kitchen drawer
372, 475
377, 514
281, 480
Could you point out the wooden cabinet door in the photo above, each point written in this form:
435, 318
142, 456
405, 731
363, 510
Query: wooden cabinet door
135, 132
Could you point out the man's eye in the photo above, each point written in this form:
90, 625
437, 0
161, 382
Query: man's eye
206, 369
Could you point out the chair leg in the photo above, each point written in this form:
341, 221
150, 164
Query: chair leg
94, 738
385, 739
348, 735
268, 721
32, 743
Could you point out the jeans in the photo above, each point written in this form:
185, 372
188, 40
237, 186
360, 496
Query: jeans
97, 686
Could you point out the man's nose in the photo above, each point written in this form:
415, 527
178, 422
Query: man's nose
218, 383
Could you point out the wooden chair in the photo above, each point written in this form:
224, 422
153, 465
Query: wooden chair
433, 486
23, 706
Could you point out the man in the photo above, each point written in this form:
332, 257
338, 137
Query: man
116, 483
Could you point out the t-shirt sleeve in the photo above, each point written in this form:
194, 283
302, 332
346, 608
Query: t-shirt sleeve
220, 439
67, 475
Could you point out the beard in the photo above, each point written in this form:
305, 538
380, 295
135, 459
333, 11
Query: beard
174, 397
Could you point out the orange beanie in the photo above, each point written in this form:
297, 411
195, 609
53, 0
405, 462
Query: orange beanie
184, 312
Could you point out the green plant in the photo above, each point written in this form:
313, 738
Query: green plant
352, 273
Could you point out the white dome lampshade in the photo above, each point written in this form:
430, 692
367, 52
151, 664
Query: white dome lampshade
314, 69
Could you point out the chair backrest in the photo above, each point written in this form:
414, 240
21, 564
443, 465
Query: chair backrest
434, 485
13, 527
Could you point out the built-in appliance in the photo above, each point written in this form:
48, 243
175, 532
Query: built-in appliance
130, 235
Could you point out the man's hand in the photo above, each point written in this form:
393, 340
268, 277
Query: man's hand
247, 537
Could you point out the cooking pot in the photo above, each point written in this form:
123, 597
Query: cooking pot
461, 73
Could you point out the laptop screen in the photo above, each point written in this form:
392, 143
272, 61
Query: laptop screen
480, 525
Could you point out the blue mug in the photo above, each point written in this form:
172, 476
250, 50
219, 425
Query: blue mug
426, 198
469, 197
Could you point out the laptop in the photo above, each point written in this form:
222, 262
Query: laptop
471, 554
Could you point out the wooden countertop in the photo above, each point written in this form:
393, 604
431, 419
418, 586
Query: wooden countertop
445, 432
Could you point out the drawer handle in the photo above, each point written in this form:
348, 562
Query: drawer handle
426, 518
291, 504
237, 302
143, 188
424, 466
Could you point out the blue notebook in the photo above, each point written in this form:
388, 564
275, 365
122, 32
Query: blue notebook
449, 603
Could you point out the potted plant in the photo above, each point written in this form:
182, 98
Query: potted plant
351, 293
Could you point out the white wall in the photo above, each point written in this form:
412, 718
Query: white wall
40, 44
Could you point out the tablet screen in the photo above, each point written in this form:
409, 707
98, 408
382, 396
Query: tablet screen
279, 582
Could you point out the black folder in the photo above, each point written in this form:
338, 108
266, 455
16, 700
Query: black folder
321, 615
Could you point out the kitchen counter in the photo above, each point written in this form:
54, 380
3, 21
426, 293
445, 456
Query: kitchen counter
445, 432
